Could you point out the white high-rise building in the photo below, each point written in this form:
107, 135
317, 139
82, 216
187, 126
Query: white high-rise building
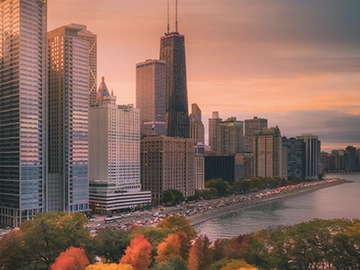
22, 110
114, 153
68, 86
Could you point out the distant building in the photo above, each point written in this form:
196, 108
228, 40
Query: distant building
114, 155
167, 163
23, 98
199, 166
252, 125
229, 168
197, 131
172, 51
350, 158
295, 157
267, 149
91, 39
312, 155
68, 82
230, 137
151, 96
213, 125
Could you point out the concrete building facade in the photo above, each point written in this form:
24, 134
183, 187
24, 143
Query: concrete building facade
230, 137
312, 155
167, 163
252, 125
213, 125
197, 130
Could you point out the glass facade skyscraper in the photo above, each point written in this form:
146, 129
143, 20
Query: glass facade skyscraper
68, 82
22, 109
172, 51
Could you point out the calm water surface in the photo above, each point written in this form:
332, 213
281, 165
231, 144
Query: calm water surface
341, 201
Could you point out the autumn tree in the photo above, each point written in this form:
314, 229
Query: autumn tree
239, 247
238, 265
169, 248
49, 234
171, 264
71, 259
138, 253
111, 266
110, 243
201, 254
178, 224
13, 255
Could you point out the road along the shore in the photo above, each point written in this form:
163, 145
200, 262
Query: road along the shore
238, 206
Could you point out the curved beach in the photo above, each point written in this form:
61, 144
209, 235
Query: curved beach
263, 198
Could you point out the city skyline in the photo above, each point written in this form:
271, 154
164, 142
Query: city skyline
231, 49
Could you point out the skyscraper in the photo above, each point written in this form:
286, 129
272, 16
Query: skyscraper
197, 131
213, 125
295, 157
68, 186
230, 137
268, 153
150, 96
114, 154
252, 125
172, 51
22, 110
91, 40
312, 155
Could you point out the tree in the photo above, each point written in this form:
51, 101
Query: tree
172, 264
178, 224
110, 243
169, 248
238, 265
111, 266
51, 233
71, 259
138, 253
201, 254
223, 187
239, 248
172, 196
13, 254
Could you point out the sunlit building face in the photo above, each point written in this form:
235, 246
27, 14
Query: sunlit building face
22, 109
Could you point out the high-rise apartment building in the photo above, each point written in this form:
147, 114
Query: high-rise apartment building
295, 157
114, 154
68, 90
22, 110
312, 155
197, 130
172, 51
213, 125
167, 163
267, 149
199, 166
230, 137
252, 125
151, 96
91, 40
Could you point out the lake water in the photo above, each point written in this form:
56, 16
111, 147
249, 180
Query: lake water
341, 201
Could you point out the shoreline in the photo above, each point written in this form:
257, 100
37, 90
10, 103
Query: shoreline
239, 206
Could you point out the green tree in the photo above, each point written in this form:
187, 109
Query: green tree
171, 264
110, 243
223, 187
51, 233
172, 196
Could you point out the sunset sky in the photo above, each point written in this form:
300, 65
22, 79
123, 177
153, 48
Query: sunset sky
296, 63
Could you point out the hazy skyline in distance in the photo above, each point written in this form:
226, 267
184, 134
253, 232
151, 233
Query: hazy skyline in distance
296, 63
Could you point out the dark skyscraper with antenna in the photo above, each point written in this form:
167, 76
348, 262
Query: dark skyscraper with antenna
172, 51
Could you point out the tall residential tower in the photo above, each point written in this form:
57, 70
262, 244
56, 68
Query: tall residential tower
22, 110
68, 82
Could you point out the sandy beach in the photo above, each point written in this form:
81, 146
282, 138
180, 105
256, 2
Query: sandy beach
261, 200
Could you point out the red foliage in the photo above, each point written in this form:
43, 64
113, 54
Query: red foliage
138, 253
71, 259
239, 248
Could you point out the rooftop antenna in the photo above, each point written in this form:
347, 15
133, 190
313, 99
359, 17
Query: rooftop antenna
176, 19
168, 24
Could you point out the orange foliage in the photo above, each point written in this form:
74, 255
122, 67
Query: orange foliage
201, 254
138, 253
71, 259
169, 248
